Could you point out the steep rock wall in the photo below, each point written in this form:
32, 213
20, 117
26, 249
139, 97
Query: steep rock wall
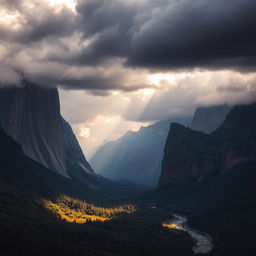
192, 156
31, 115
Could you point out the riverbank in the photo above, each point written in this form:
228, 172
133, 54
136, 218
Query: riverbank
203, 241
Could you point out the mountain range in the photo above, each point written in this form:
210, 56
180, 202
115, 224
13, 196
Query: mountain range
192, 156
137, 156
206, 173
211, 179
30, 114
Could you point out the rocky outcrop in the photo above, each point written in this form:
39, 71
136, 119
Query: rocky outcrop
208, 119
186, 156
31, 116
73, 151
192, 157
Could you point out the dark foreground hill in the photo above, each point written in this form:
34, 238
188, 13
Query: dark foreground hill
44, 213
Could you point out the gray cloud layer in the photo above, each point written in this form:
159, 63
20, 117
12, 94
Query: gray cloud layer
208, 34
171, 34
98, 45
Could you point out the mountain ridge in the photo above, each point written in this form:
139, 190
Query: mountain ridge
208, 119
136, 156
195, 156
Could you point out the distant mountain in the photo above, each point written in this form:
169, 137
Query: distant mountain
31, 115
191, 156
136, 156
208, 119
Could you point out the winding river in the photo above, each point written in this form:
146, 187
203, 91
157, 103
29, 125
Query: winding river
203, 241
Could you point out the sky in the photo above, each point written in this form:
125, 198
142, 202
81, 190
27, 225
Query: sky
120, 65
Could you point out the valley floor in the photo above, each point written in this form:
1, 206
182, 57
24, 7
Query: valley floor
30, 226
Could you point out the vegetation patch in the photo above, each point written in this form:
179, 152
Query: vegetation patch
171, 226
77, 211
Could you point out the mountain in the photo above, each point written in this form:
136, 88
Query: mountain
136, 156
31, 115
34, 199
74, 153
29, 227
208, 119
19, 173
191, 156
211, 179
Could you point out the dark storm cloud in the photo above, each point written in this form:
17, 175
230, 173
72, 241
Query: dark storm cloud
99, 84
209, 34
62, 24
96, 83
171, 34
39, 24
109, 44
149, 34
99, 15
109, 25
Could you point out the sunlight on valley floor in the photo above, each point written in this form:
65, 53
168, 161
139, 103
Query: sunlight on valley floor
76, 211
171, 226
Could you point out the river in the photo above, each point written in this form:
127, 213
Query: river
203, 241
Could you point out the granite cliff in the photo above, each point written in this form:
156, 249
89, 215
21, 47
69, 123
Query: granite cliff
193, 157
31, 116
136, 156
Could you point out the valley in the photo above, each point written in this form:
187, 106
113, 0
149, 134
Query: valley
33, 228
127, 128
204, 202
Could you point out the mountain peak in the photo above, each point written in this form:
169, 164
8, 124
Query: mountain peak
192, 156
30, 114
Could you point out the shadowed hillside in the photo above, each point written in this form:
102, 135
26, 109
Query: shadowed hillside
211, 179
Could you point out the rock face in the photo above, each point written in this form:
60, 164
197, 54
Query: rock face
192, 156
136, 156
73, 152
31, 115
208, 119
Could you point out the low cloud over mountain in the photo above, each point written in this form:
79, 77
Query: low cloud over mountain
162, 57
97, 45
